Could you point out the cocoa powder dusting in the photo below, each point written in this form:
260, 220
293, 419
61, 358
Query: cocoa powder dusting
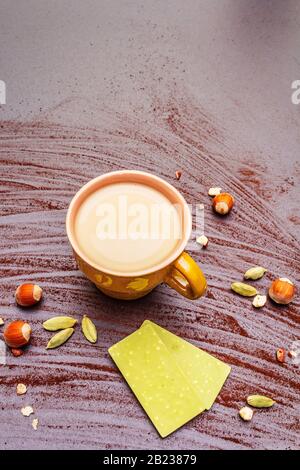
78, 389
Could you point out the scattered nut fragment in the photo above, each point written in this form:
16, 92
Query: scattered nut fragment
21, 389
17, 334
35, 423
282, 291
16, 352
27, 410
259, 301
28, 295
214, 191
1, 321
223, 203
202, 240
280, 355
246, 413
178, 174
293, 354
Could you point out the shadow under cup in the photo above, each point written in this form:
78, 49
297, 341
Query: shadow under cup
178, 269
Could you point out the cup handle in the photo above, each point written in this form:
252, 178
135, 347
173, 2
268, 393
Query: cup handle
186, 277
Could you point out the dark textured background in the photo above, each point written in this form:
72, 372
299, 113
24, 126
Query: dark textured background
201, 86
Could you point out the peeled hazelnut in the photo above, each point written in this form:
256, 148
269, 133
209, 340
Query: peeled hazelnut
21, 389
17, 334
282, 291
280, 355
222, 203
28, 294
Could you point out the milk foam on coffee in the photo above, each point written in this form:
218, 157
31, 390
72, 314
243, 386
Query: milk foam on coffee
127, 227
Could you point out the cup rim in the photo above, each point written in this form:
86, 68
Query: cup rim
158, 267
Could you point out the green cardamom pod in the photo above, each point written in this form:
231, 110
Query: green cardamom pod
255, 273
59, 323
243, 289
89, 329
60, 338
260, 401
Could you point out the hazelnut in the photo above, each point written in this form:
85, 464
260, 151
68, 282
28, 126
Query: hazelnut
280, 355
21, 389
178, 174
282, 291
28, 294
17, 334
222, 203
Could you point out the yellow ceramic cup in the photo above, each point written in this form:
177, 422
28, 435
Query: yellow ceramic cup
179, 271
